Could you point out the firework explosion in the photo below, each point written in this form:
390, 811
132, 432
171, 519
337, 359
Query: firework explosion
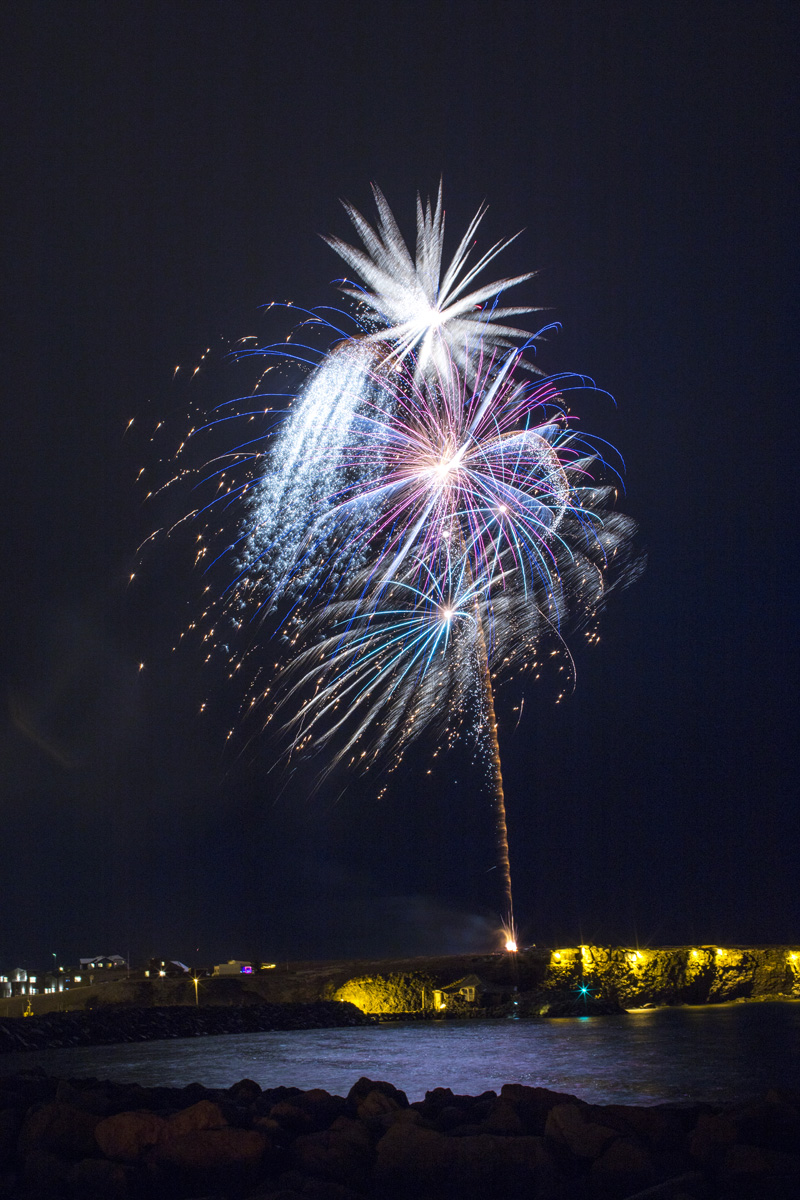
425, 519
416, 307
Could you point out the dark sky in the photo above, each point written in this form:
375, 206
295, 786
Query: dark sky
169, 168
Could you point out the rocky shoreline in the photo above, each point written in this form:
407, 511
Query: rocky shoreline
84, 1139
116, 1024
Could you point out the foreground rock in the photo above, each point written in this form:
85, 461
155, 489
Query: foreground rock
116, 1023
89, 1140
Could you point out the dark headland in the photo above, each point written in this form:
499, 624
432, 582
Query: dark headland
535, 983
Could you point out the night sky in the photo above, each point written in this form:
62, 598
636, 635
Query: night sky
170, 167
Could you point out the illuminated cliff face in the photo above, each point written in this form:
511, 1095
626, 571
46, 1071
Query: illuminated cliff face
390, 995
685, 974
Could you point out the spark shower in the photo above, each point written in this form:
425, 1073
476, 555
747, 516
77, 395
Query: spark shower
418, 520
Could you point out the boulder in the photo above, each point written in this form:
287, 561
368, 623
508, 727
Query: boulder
291, 1181
412, 1163
527, 1169
127, 1135
772, 1124
10, 1185
44, 1174
272, 1096
293, 1119
97, 1179
436, 1099
532, 1104
451, 1117
659, 1128
320, 1107
269, 1127
342, 1154
324, 1189
9, 1129
789, 1096
567, 1125
90, 1099
503, 1118
785, 1166
376, 1104
203, 1115
204, 1161
712, 1135
246, 1091
362, 1088
27, 1088
193, 1092
745, 1160
59, 1129
293, 1185
626, 1166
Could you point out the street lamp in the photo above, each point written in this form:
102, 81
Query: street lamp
195, 981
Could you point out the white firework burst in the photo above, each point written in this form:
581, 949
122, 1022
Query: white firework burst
420, 309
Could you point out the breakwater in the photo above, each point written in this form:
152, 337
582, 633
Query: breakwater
116, 1023
61, 1139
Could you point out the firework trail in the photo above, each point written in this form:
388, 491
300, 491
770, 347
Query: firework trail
305, 468
427, 517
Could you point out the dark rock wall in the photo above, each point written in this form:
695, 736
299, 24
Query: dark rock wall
82, 1139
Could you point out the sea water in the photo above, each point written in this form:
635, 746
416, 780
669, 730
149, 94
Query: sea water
712, 1053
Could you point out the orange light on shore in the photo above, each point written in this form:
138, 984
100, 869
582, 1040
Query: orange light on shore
511, 946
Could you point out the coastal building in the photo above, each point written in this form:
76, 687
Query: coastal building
165, 968
102, 962
19, 983
472, 990
234, 966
